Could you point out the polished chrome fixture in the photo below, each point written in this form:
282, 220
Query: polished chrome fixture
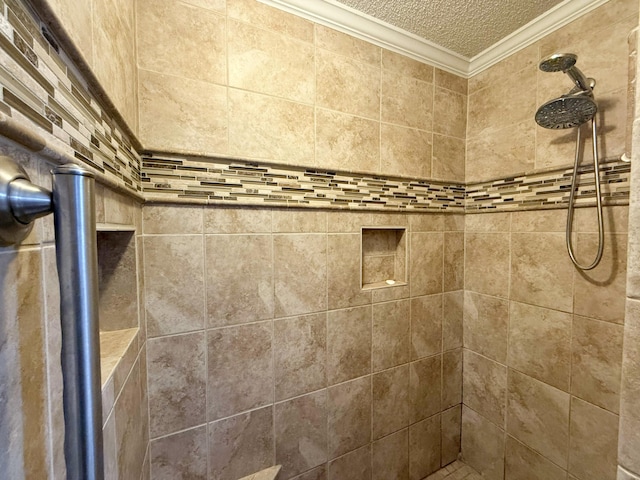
568, 111
72, 203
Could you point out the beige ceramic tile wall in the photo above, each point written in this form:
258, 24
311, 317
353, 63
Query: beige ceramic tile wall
502, 136
31, 422
103, 32
242, 79
276, 356
542, 346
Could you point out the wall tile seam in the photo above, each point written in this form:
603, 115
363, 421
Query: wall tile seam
124, 383
628, 472
565, 392
290, 317
274, 404
266, 28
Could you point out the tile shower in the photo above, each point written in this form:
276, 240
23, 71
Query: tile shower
256, 343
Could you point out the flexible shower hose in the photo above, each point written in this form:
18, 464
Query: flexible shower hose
596, 173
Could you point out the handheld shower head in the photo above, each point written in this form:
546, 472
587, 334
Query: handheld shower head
565, 62
573, 109
566, 112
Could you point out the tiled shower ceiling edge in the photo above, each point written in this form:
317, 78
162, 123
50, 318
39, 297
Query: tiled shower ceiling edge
348, 20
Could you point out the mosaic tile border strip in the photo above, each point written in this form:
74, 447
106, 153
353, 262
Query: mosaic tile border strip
218, 181
39, 82
236, 182
551, 189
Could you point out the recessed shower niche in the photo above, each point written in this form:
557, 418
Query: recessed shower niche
118, 296
383, 257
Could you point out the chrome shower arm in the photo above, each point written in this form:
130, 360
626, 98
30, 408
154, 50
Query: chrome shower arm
72, 204
580, 80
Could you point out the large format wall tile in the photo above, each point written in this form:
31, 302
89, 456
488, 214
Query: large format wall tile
343, 271
390, 334
240, 369
540, 343
597, 362
452, 378
405, 151
177, 379
391, 456
426, 326
486, 265
538, 416
348, 344
346, 85
270, 63
261, 15
407, 101
301, 433
343, 138
300, 351
131, 429
424, 448
453, 312
482, 445
174, 219
541, 272
192, 116
183, 454
593, 443
391, 403
241, 445
349, 413
425, 263
485, 387
448, 158
300, 274
451, 429
239, 277
600, 292
425, 388
486, 325
355, 465
169, 309
522, 463
343, 44
450, 113
268, 127
191, 45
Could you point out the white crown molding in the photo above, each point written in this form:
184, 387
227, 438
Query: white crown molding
335, 15
552, 20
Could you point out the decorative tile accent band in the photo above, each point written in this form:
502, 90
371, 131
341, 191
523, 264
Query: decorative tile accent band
212, 180
236, 182
38, 81
551, 189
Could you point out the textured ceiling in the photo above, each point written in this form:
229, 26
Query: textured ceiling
467, 27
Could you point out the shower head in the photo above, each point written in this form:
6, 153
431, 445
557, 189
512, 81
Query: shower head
566, 112
565, 62
558, 62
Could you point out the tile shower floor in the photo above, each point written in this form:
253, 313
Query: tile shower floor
455, 471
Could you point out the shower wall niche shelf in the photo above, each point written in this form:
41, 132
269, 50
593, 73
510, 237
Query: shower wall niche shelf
118, 300
117, 277
383, 257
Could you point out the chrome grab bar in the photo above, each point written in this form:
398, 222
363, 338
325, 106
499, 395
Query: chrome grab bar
72, 203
